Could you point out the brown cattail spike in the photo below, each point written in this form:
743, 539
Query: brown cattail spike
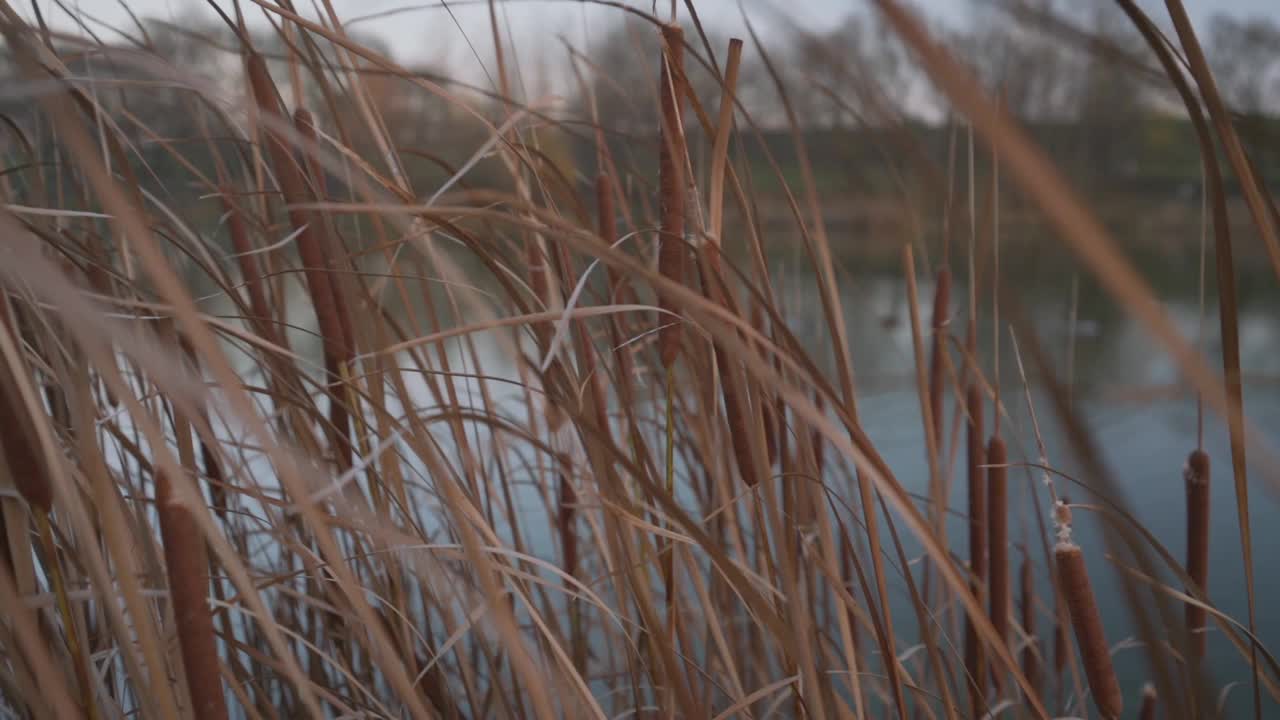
671, 182
1148, 709
1196, 476
1086, 621
187, 563
17, 434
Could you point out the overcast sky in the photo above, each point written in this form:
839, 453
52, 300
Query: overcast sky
435, 31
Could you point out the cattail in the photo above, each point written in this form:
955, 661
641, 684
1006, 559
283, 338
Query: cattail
17, 434
671, 182
316, 265
1087, 624
1030, 660
568, 538
974, 653
1148, 709
998, 537
324, 250
329, 246
735, 410
290, 178
187, 563
941, 310
1196, 476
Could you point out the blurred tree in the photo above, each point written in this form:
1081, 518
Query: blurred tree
621, 73
1245, 56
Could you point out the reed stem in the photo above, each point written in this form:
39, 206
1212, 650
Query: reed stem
672, 251
1196, 476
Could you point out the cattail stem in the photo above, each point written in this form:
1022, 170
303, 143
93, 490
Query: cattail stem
937, 358
816, 438
974, 653
568, 502
671, 182
250, 273
1086, 621
998, 588
1196, 476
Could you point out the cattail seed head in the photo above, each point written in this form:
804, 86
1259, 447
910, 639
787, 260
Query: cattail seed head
18, 439
187, 564
1196, 475
1149, 698
1086, 621
568, 536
